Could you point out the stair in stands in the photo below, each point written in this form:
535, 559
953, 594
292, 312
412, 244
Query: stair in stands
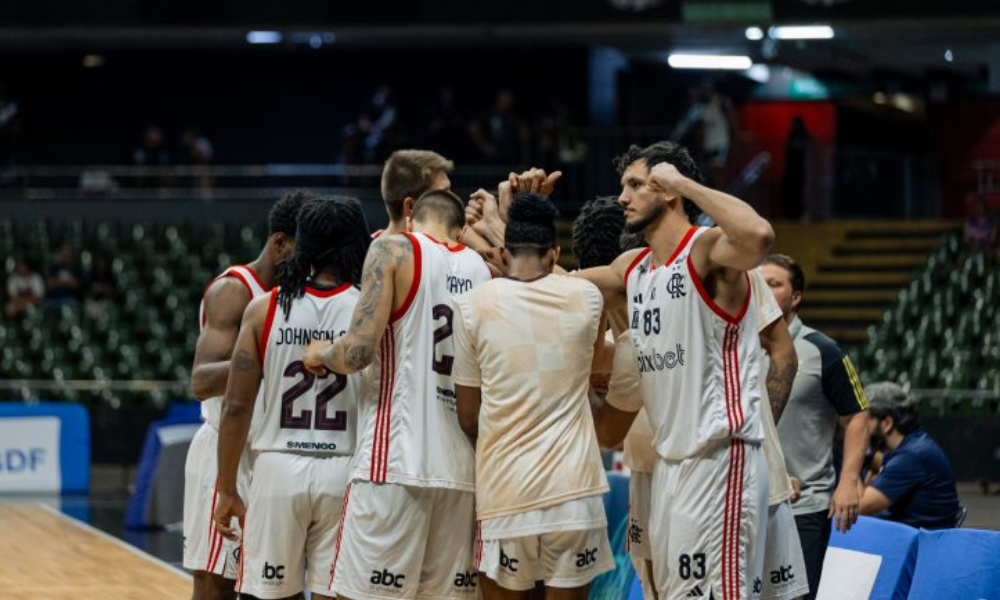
855, 269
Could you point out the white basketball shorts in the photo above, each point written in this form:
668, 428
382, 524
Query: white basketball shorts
290, 529
406, 542
703, 522
204, 548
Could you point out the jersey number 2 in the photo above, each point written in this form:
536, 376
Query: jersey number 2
445, 363
304, 419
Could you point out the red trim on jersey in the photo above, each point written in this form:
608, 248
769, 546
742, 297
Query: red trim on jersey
680, 246
227, 273
731, 522
737, 385
376, 234
340, 534
415, 284
383, 417
327, 293
727, 386
635, 263
732, 319
741, 481
243, 280
272, 307
380, 408
390, 391
212, 534
456, 248
256, 278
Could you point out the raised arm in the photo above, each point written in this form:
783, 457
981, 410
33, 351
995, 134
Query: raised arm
355, 350
237, 412
225, 301
744, 237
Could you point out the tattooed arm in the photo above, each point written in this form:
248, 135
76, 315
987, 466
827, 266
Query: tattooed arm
237, 410
784, 365
355, 350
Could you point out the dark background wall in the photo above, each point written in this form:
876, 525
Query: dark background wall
261, 104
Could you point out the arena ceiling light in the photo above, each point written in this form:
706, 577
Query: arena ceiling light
754, 34
264, 37
709, 61
800, 32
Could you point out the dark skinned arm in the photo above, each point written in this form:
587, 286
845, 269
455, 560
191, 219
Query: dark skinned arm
237, 412
468, 400
225, 301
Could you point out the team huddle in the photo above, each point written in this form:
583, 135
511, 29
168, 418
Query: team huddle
420, 412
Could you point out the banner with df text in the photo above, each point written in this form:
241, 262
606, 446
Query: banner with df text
29, 454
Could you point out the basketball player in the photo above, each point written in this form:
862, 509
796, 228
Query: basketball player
212, 558
596, 233
406, 176
304, 442
407, 524
524, 346
694, 328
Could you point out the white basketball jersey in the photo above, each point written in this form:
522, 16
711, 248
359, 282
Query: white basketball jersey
303, 413
699, 367
410, 432
211, 408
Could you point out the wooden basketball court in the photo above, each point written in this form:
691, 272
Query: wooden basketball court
45, 555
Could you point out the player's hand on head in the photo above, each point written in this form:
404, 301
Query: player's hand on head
313, 357
666, 178
227, 507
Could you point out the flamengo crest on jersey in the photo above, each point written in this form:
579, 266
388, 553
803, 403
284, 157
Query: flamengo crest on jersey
303, 413
211, 408
410, 432
699, 367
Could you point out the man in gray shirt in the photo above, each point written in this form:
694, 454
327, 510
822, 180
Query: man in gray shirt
826, 389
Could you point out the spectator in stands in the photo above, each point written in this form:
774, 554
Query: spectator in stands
980, 232
65, 283
793, 186
368, 138
101, 290
915, 484
826, 390
501, 135
446, 126
24, 289
151, 151
708, 127
198, 152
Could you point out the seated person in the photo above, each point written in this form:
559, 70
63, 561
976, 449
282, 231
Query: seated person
65, 282
915, 485
24, 289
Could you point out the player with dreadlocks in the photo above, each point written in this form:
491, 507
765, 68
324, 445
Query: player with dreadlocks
305, 441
